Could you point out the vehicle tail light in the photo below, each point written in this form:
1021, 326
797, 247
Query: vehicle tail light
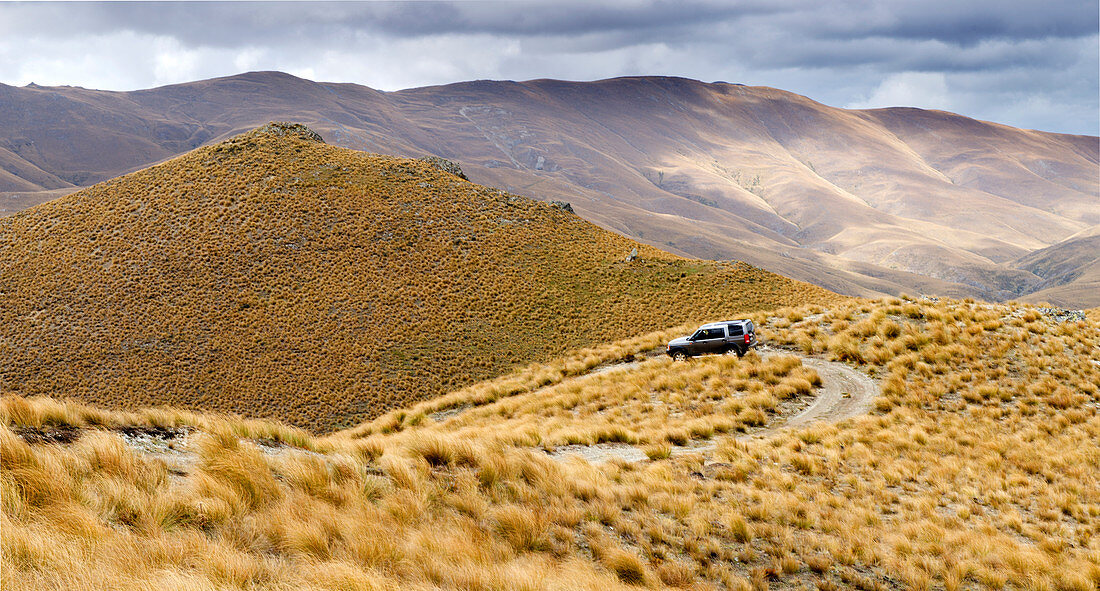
747, 335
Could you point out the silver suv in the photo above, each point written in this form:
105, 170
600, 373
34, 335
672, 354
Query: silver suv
729, 336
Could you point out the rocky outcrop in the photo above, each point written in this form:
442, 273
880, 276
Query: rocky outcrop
282, 129
445, 165
564, 206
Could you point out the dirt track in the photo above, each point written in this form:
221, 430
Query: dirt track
844, 393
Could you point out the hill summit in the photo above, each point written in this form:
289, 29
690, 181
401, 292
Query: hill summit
283, 129
274, 275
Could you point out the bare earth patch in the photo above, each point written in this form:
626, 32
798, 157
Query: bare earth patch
600, 452
845, 393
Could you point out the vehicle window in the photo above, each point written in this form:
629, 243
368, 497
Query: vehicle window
735, 329
750, 327
699, 335
712, 333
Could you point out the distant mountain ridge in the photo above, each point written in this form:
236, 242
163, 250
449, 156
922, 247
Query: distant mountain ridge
861, 202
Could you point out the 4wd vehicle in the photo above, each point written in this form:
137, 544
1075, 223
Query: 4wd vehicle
730, 336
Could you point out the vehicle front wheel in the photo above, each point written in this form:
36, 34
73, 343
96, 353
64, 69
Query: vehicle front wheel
679, 356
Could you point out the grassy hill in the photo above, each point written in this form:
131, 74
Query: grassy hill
976, 469
275, 276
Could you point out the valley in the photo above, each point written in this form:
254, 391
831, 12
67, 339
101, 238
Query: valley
276, 363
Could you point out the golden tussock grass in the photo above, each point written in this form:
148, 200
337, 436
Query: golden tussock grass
655, 402
977, 471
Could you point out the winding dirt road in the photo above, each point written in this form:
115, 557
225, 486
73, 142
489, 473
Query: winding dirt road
844, 393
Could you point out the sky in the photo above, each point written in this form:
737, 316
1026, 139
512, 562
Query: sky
1030, 64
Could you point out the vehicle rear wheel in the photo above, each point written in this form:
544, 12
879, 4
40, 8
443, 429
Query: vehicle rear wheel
740, 352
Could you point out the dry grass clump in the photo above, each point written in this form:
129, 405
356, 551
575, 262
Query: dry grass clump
629, 567
977, 471
274, 276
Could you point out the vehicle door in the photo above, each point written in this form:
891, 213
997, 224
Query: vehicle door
736, 334
710, 340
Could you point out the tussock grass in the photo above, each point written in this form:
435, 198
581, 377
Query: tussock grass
976, 470
654, 404
520, 381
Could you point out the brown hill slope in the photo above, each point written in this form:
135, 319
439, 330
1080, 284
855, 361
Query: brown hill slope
273, 275
965, 476
858, 201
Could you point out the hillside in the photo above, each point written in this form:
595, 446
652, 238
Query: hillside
861, 202
275, 276
974, 469
1070, 269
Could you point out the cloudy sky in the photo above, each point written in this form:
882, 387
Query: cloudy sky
1031, 64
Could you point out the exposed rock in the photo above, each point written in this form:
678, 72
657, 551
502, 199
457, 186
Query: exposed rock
1063, 315
633, 256
47, 434
283, 128
563, 205
445, 165
1053, 314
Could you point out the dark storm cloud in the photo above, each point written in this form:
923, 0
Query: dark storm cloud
785, 33
914, 55
971, 22
210, 22
949, 21
849, 52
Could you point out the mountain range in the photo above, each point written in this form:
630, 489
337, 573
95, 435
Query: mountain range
862, 202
